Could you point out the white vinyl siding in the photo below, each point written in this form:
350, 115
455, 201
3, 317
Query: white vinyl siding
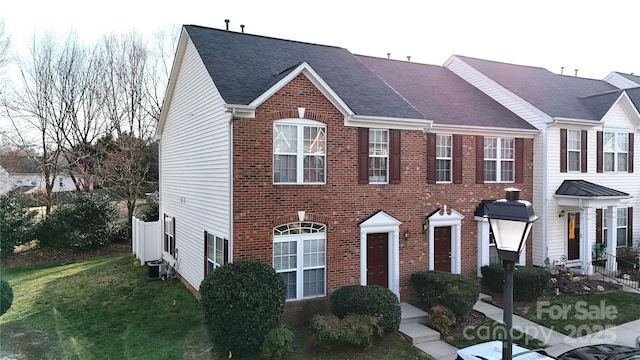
195, 165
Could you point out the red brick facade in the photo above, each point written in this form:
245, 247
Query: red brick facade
342, 203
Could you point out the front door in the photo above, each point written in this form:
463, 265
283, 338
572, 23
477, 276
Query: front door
378, 259
573, 236
442, 248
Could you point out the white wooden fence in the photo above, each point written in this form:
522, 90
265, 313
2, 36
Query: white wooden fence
146, 242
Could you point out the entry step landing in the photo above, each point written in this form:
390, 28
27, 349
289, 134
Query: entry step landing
412, 325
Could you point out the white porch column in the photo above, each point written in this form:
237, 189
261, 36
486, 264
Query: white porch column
588, 239
611, 225
483, 242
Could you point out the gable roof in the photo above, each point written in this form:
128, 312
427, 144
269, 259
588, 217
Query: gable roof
632, 77
559, 96
442, 95
244, 66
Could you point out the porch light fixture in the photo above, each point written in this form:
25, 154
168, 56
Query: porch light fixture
561, 214
511, 220
406, 234
425, 225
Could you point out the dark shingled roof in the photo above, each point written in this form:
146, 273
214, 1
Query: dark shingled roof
556, 95
244, 66
584, 188
442, 95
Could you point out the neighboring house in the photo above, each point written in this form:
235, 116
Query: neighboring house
585, 187
622, 80
21, 174
335, 169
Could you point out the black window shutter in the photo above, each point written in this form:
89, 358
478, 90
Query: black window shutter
226, 252
519, 160
431, 158
563, 150
396, 152
599, 154
206, 249
479, 159
583, 151
599, 226
630, 153
363, 155
457, 159
629, 226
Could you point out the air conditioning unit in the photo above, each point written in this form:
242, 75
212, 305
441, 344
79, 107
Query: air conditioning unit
157, 269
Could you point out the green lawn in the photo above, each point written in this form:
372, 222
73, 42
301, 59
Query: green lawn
582, 315
104, 309
98, 309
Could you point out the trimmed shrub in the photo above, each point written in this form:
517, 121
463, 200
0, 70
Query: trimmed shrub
441, 319
457, 292
17, 223
277, 344
6, 296
85, 223
373, 300
242, 302
330, 331
529, 282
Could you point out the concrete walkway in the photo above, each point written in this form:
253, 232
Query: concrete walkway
556, 342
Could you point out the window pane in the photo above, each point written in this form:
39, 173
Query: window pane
313, 282
314, 140
290, 282
219, 251
506, 171
443, 170
507, 149
284, 168
490, 170
314, 253
573, 140
378, 142
573, 162
377, 169
622, 237
622, 162
608, 141
285, 138
490, 148
313, 169
284, 255
609, 161
622, 142
622, 216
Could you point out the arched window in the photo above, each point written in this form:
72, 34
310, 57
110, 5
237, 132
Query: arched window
299, 256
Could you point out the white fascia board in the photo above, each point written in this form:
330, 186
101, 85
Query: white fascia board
615, 77
315, 79
173, 78
546, 117
388, 122
576, 122
485, 131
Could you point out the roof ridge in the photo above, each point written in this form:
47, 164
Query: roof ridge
262, 36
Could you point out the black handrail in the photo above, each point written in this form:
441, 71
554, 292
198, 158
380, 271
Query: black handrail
623, 272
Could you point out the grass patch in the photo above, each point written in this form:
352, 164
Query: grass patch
577, 316
489, 330
100, 308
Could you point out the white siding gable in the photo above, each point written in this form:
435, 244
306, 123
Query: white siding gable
195, 164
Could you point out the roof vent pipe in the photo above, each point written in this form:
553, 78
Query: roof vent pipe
561, 70
242, 28
227, 22
576, 72
388, 55
409, 58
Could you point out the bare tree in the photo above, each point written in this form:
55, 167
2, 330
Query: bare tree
5, 43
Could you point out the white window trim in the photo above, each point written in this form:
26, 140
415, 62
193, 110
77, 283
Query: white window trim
571, 150
300, 268
379, 156
615, 151
300, 125
499, 160
449, 158
619, 226
216, 248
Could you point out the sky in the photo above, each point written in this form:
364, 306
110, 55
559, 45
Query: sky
593, 36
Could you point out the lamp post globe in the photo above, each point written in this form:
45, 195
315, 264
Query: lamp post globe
510, 220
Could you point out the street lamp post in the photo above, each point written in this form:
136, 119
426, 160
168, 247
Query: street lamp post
510, 220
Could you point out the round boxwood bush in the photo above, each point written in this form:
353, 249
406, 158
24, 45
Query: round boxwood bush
529, 282
242, 302
455, 291
6, 296
373, 300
